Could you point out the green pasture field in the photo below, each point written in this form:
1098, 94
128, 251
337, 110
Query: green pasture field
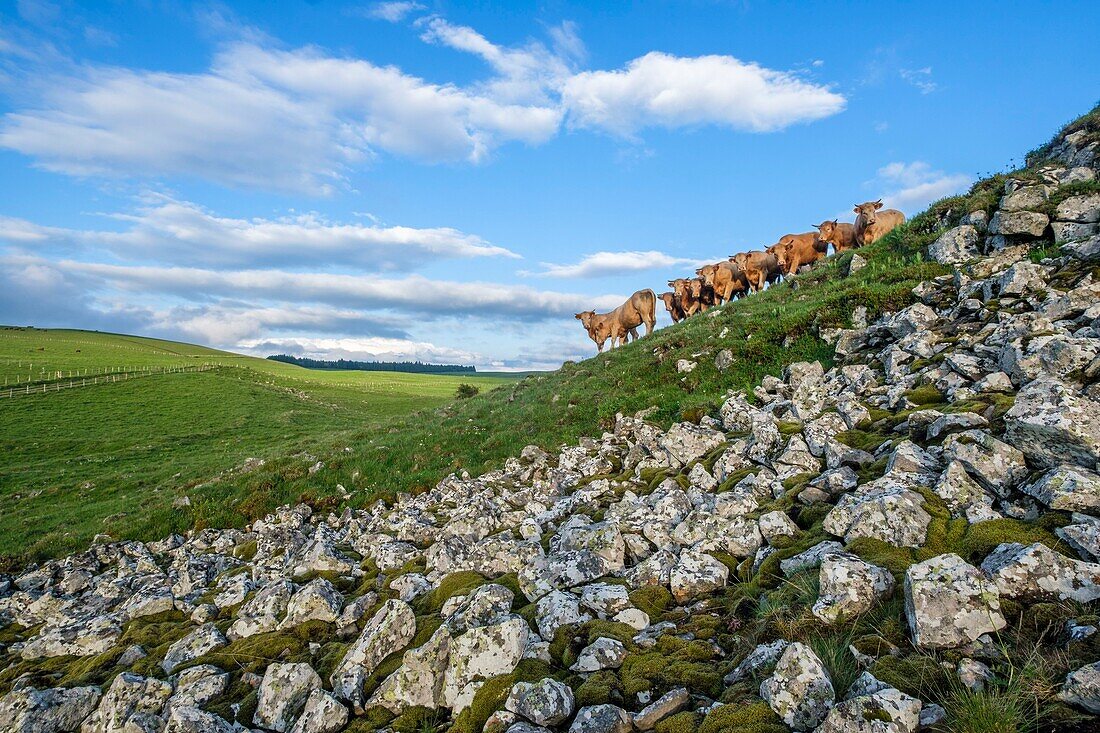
114, 457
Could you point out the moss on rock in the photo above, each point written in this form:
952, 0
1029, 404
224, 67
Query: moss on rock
754, 718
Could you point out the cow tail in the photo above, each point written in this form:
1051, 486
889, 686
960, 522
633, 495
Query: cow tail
652, 298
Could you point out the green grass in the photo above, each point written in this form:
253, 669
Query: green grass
115, 456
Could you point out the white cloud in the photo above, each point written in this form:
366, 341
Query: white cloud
600, 264
567, 41
411, 294
920, 78
180, 232
393, 12
527, 74
229, 323
362, 349
912, 186
659, 89
287, 120
301, 120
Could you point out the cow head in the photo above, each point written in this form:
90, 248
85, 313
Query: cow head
707, 273
826, 230
696, 285
679, 287
740, 259
585, 317
780, 250
867, 211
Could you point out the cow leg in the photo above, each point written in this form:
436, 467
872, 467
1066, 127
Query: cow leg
634, 333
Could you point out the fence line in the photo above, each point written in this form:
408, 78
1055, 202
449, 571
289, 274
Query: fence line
38, 389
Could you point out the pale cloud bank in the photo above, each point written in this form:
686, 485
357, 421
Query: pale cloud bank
912, 186
182, 232
603, 264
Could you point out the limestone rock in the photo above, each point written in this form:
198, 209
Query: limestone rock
479, 654
956, 246
1036, 573
1052, 424
317, 600
322, 713
263, 611
799, 691
885, 511
1069, 488
56, 710
198, 685
686, 441
557, 609
758, 658
696, 573
884, 711
186, 719
1011, 223
419, 679
388, 631
204, 639
671, 702
601, 719
603, 653
964, 496
995, 465
546, 702
949, 603
849, 586
810, 558
130, 696
1082, 688
283, 694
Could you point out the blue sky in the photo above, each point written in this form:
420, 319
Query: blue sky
452, 181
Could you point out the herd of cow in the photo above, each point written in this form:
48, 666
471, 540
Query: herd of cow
744, 273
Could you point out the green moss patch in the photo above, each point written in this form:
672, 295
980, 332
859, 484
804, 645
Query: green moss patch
754, 718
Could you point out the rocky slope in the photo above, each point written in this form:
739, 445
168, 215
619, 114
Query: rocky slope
907, 540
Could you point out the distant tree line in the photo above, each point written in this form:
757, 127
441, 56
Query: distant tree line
414, 367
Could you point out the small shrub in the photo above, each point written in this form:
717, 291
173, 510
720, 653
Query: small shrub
465, 391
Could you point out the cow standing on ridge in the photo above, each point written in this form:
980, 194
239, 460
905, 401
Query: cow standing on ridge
620, 324
841, 236
672, 305
760, 268
873, 222
796, 250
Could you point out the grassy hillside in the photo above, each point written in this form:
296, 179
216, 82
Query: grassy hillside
113, 457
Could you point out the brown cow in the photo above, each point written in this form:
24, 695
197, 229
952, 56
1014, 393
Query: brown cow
873, 222
725, 279
619, 324
681, 290
841, 236
760, 268
672, 305
703, 294
796, 250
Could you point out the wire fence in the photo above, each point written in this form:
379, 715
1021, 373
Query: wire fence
90, 381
